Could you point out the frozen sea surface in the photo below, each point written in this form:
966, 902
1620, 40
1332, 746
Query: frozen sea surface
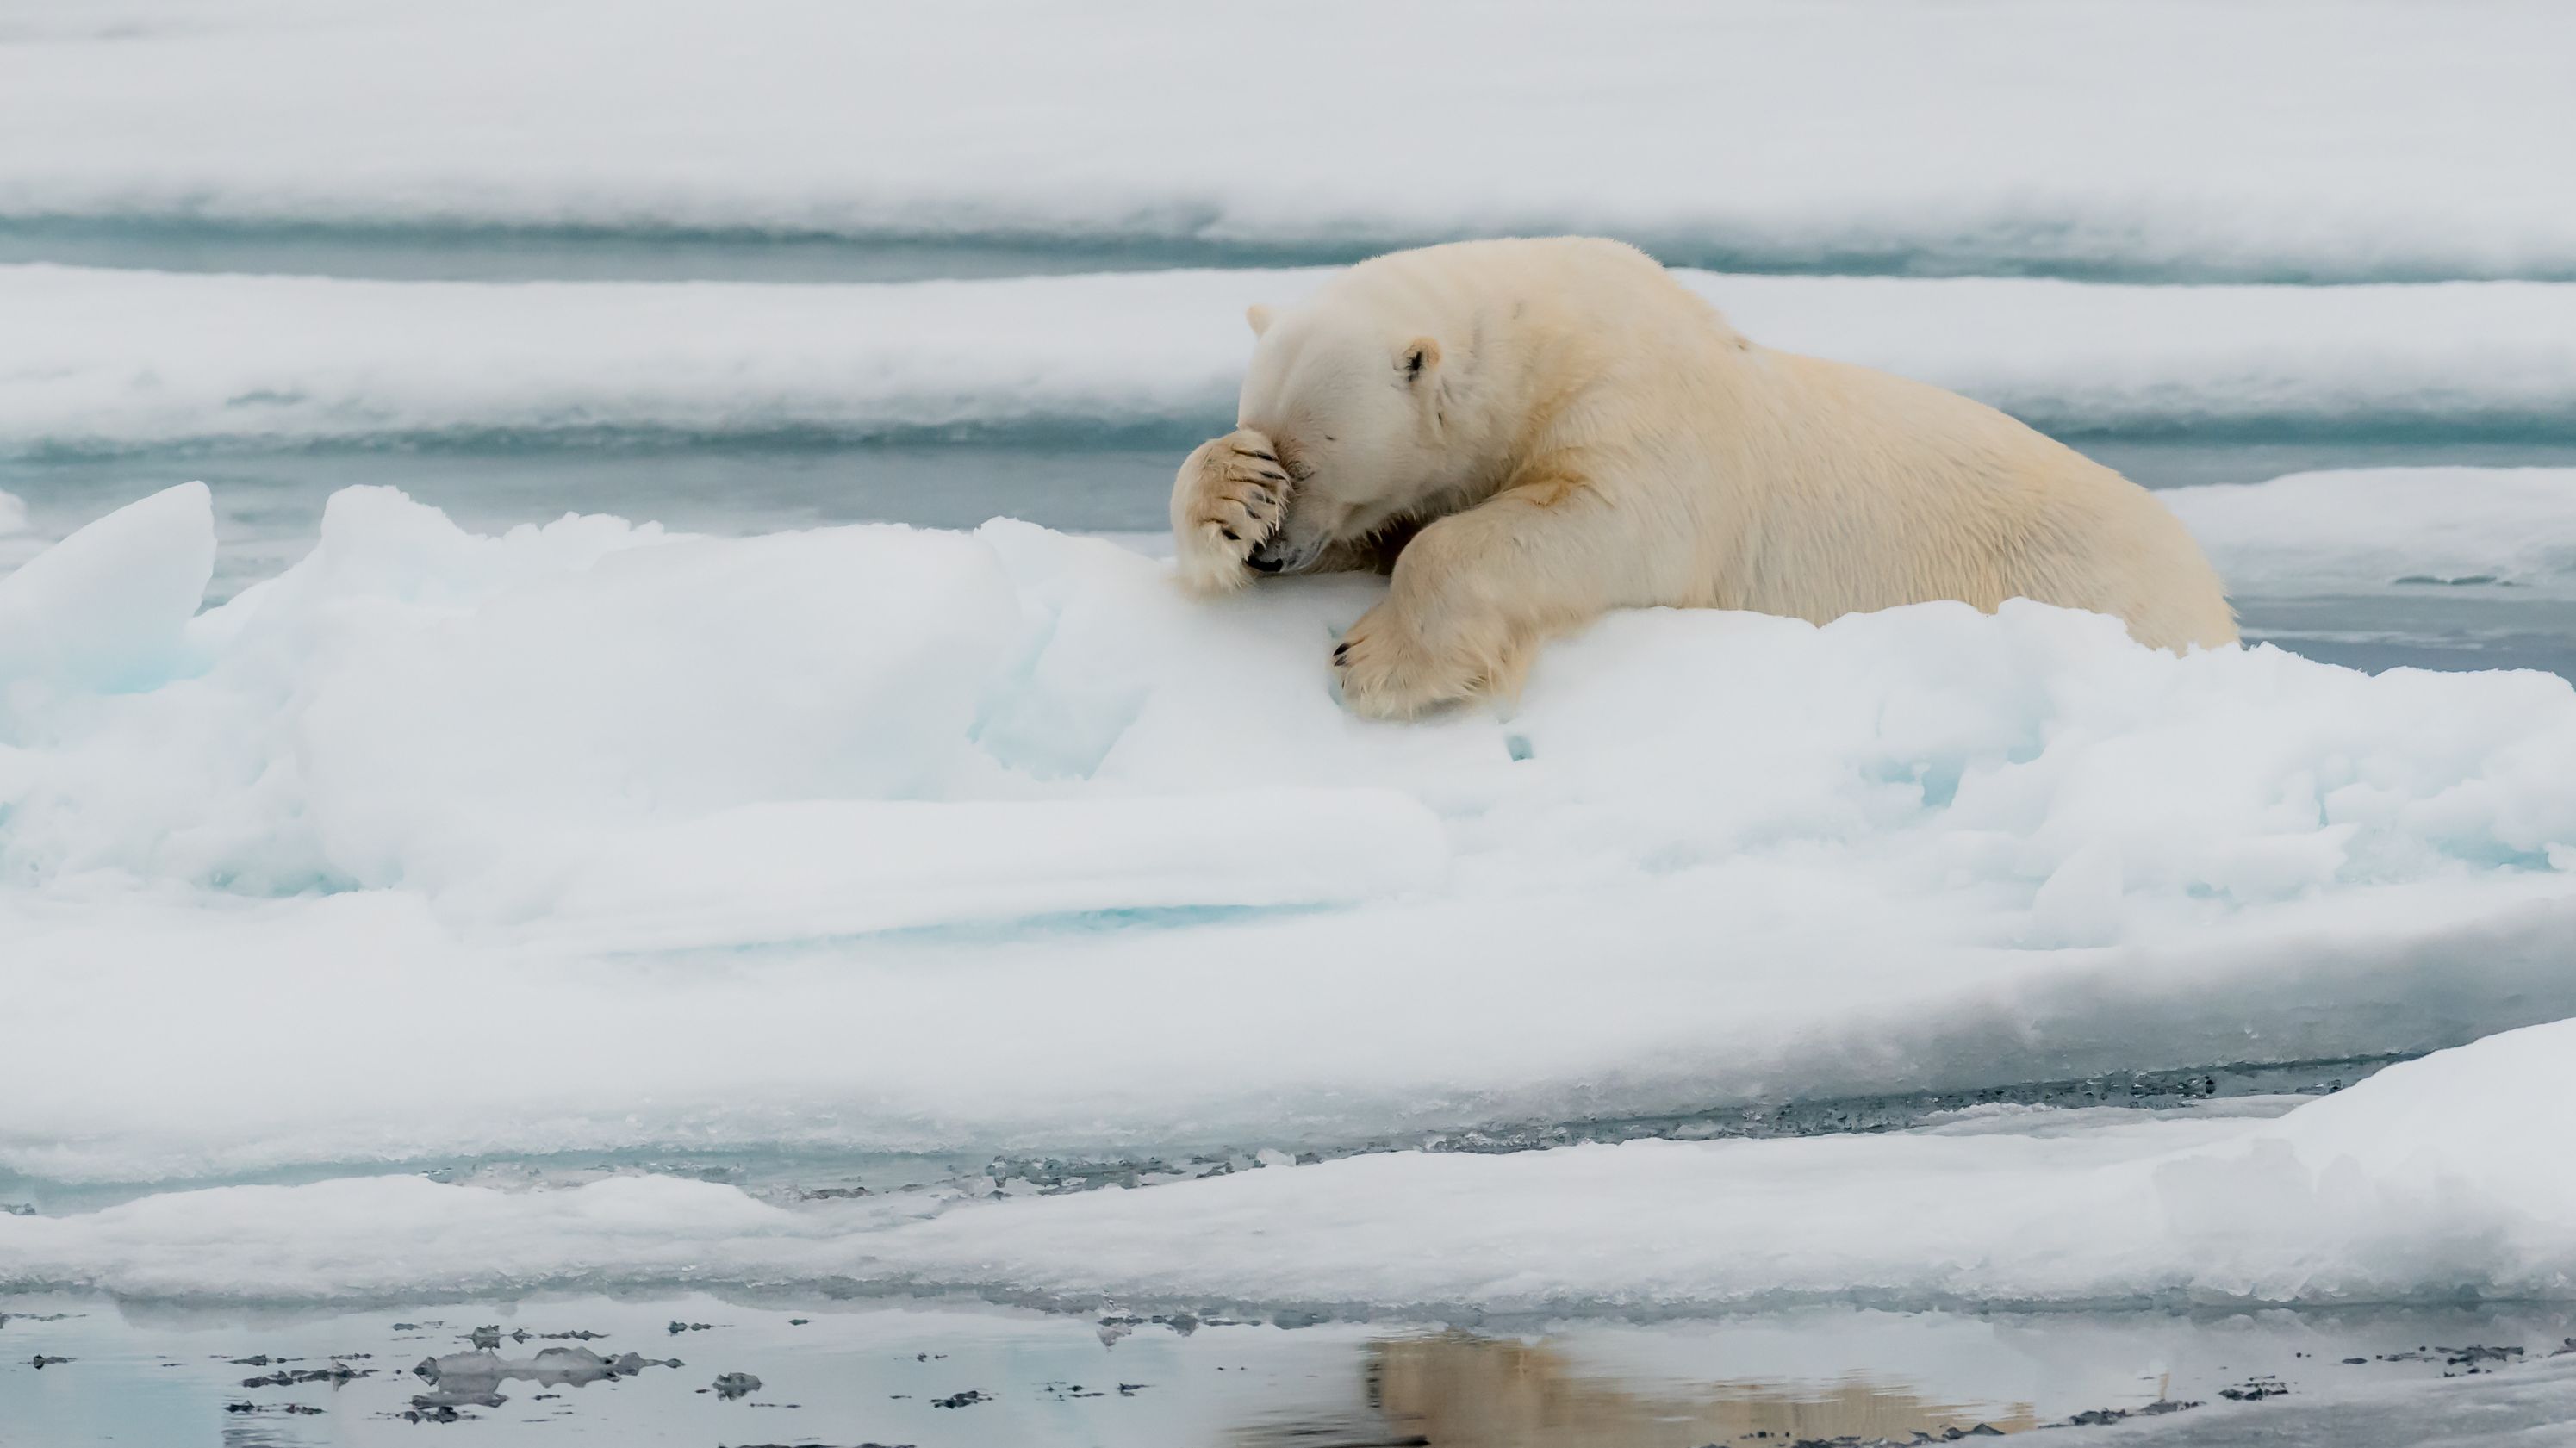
109, 360
2418, 1185
2320, 142
731, 842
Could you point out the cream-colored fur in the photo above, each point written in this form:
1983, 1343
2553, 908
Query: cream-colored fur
1530, 433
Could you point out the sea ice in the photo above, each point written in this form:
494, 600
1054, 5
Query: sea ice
112, 359
2425, 1180
2370, 530
107, 607
2421, 1183
594, 838
2320, 140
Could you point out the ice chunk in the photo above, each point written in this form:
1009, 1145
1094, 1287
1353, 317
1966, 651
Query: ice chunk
447, 746
458, 1378
107, 607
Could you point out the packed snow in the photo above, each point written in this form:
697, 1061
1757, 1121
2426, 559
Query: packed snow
2299, 141
2419, 1184
882, 839
107, 359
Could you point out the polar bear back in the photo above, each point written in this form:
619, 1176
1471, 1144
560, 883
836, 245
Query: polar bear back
1879, 490
1776, 482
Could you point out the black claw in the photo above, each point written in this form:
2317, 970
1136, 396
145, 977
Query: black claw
1340, 649
1275, 475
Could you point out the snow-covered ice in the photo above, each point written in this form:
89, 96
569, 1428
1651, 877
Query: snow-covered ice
2369, 530
2299, 141
107, 359
2423, 1183
2430, 1178
874, 838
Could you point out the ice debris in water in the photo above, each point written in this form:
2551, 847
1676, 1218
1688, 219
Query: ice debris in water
463, 1379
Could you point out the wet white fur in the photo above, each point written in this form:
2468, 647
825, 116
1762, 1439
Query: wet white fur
1571, 431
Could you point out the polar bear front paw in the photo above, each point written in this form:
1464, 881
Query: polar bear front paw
1388, 670
1229, 498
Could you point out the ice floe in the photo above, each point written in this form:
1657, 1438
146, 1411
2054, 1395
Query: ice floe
591, 837
2428, 1181
2372, 530
1995, 137
109, 359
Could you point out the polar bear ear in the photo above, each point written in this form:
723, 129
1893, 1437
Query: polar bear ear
1418, 359
1259, 316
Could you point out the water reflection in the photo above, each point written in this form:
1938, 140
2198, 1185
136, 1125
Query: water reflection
960, 1374
1460, 1389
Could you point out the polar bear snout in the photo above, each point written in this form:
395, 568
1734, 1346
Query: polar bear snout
1283, 553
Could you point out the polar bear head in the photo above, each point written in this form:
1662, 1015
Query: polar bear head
1362, 408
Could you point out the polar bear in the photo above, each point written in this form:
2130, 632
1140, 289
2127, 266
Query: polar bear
1527, 433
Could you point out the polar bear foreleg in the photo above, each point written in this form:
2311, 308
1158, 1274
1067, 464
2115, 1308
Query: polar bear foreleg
1229, 497
1474, 594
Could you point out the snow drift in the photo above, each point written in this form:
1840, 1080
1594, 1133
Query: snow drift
590, 837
